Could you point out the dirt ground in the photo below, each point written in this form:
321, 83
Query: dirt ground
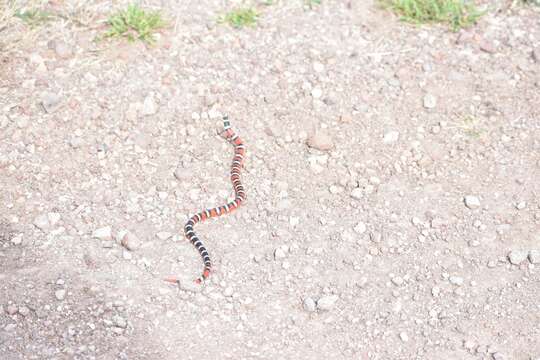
409, 228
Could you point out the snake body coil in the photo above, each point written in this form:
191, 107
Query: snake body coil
240, 197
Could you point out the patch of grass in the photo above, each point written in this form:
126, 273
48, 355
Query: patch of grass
34, 17
456, 13
135, 23
312, 3
242, 17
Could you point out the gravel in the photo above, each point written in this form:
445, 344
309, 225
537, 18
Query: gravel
384, 162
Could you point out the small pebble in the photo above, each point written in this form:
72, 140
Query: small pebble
104, 233
534, 256
403, 336
130, 241
42, 222
516, 257
309, 305
50, 102
149, 106
24, 311
326, 303
60, 294
397, 280
430, 101
11, 309
360, 228
456, 280
17, 240
320, 141
280, 252
472, 202
391, 137
357, 194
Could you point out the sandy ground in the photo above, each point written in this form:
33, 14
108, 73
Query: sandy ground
392, 176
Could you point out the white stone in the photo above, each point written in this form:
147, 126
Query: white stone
60, 294
42, 222
391, 137
316, 92
326, 303
17, 240
357, 194
104, 233
280, 252
360, 228
149, 106
309, 305
516, 257
472, 202
456, 280
534, 256
403, 336
430, 101
130, 241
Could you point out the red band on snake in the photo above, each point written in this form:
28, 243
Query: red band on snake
240, 197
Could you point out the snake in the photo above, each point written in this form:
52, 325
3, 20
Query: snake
239, 198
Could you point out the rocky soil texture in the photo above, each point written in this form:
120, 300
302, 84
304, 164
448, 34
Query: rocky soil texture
393, 181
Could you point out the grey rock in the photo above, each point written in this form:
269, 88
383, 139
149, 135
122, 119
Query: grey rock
456, 280
516, 257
